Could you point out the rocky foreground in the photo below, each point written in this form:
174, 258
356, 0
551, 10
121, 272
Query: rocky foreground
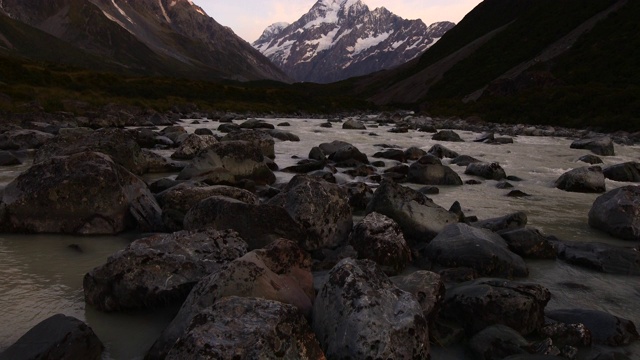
267, 270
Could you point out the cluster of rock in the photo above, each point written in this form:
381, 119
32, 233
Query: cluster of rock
281, 271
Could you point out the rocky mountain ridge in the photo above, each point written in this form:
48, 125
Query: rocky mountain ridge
338, 39
157, 37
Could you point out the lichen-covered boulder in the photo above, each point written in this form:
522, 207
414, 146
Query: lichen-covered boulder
600, 145
320, 207
419, 218
22, 139
192, 145
118, 144
461, 245
279, 272
432, 174
229, 162
484, 302
247, 328
489, 171
626, 172
380, 239
83, 194
259, 225
360, 314
160, 269
605, 328
59, 337
618, 213
584, 180
427, 287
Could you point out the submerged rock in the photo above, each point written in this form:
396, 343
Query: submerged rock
583, 180
83, 194
601, 257
59, 337
618, 213
360, 314
160, 269
460, 245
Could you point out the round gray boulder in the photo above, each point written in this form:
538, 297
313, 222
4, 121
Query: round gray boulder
618, 213
489, 171
600, 146
584, 180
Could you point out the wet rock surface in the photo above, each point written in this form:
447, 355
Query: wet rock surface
584, 179
605, 328
160, 269
601, 257
599, 146
489, 171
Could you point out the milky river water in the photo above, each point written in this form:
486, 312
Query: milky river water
40, 275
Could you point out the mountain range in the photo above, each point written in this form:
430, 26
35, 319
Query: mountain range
339, 39
151, 37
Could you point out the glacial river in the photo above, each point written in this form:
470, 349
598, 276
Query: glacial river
40, 275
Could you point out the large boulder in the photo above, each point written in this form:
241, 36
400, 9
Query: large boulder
59, 337
83, 194
279, 272
248, 328
497, 342
259, 225
490, 171
419, 218
626, 172
584, 180
320, 207
600, 146
192, 145
432, 174
605, 328
601, 257
160, 269
461, 245
261, 139
340, 151
8, 159
229, 162
360, 314
484, 302
118, 144
378, 238
618, 213
22, 139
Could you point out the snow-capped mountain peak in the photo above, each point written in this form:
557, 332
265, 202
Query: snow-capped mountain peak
337, 39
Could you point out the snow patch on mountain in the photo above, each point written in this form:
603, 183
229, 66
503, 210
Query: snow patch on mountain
364, 44
124, 14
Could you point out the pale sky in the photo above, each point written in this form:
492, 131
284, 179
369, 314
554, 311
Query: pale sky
248, 18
